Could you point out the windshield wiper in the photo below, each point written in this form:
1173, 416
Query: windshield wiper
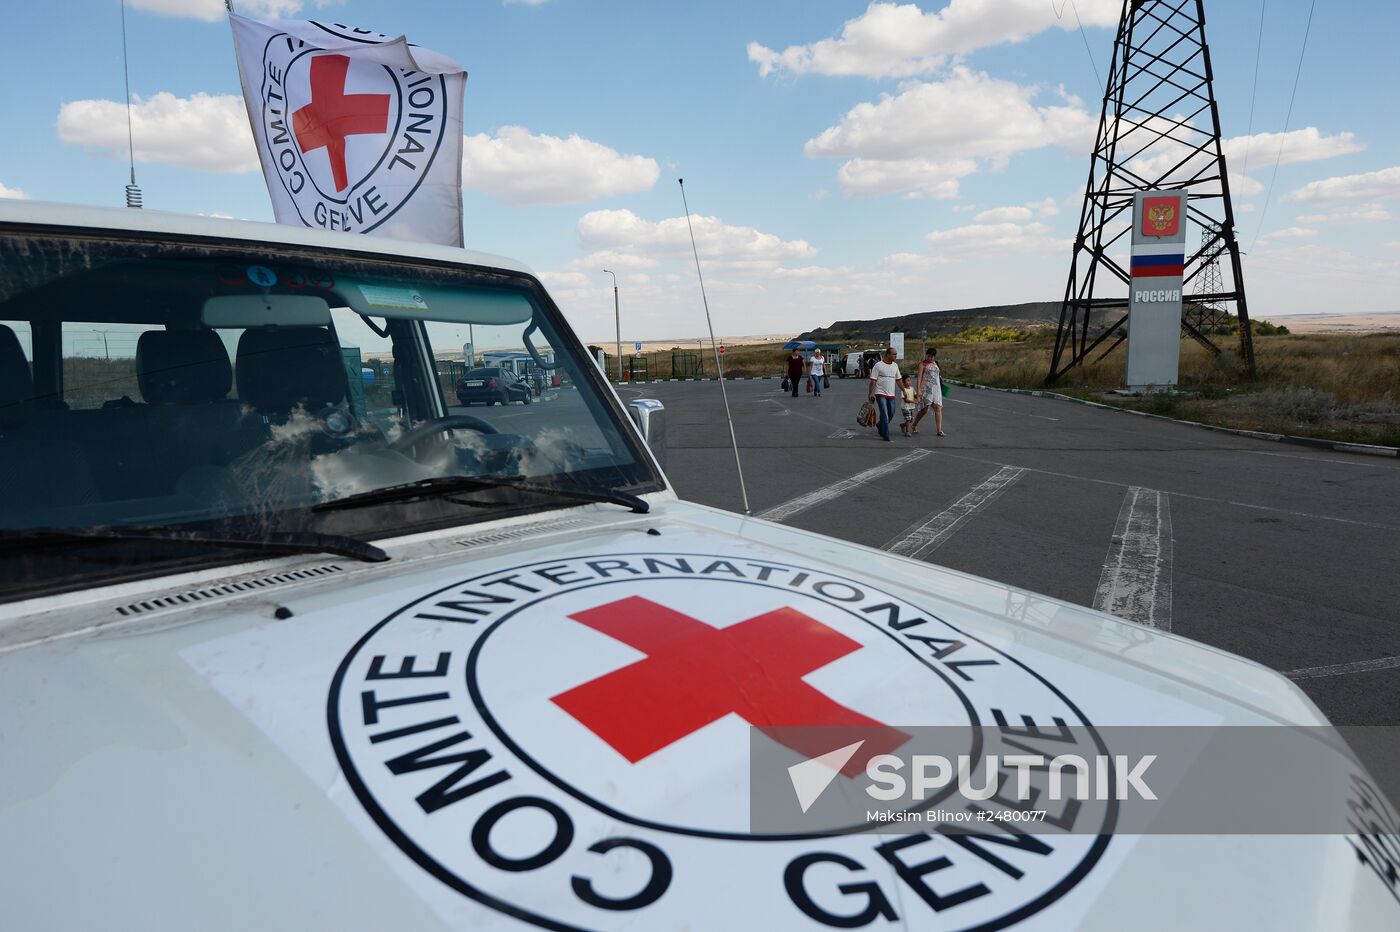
440, 486
271, 542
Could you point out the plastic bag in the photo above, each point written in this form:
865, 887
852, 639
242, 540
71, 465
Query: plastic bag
866, 417
786, 384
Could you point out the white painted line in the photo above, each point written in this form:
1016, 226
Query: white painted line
845, 433
1340, 669
828, 492
930, 535
1370, 464
1136, 582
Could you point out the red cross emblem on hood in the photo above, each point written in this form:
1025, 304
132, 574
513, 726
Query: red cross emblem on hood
333, 114
695, 674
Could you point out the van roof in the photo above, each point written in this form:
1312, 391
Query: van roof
81, 216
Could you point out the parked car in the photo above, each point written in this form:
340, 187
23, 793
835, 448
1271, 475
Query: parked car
492, 385
857, 365
268, 662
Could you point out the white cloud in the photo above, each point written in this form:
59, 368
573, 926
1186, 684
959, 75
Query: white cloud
1004, 215
611, 259
1361, 213
204, 131
520, 167
1369, 186
12, 193
910, 260
900, 40
811, 272
914, 177
1244, 186
624, 231
1290, 233
971, 120
560, 281
211, 10
994, 237
1299, 145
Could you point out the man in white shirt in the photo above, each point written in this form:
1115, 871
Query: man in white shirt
886, 384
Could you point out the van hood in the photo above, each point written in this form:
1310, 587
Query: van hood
546, 723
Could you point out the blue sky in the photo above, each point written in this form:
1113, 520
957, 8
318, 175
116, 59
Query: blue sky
847, 159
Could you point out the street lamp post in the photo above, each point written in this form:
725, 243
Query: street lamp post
617, 319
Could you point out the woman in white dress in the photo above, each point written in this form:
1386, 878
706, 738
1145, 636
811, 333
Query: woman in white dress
818, 371
930, 391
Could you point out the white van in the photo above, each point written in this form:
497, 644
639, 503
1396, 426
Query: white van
270, 659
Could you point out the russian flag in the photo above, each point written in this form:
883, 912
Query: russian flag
1162, 265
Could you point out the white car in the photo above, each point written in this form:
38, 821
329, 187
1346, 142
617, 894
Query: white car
280, 653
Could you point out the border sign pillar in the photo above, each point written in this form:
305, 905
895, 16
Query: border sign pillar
1154, 304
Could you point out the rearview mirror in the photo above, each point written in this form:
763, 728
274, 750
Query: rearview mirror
650, 417
261, 310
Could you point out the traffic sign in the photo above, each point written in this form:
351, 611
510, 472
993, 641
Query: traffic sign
638, 345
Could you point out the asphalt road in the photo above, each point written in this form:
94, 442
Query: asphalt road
1287, 556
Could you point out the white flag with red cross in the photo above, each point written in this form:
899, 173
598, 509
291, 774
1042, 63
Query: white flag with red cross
357, 131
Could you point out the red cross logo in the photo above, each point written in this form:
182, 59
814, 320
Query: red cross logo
333, 114
695, 674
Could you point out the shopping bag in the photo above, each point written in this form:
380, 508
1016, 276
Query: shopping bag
866, 417
945, 389
809, 385
786, 384
826, 381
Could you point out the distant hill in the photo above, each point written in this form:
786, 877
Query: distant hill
1034, 315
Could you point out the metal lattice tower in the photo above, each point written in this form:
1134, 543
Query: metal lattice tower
1159, 129
1202, 311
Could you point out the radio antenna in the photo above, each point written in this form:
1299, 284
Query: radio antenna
719, 360
133, 192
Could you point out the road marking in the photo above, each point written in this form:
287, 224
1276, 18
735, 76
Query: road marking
1199, 498
1339, 669
1136, 582
1372, 464
930, 535
828, 492
845, 433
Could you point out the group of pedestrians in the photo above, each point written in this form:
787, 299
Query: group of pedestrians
888, 386
815, 370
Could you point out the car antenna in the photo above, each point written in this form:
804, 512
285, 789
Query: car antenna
133, 191
719, 360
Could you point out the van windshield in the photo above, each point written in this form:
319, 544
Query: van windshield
153, 383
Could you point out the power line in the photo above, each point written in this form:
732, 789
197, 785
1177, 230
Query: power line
1093, 64
1059, 14
1254, 92
1288, 118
